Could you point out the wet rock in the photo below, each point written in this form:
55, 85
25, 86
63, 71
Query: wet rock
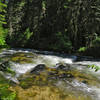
85, 82
65, 75
52, 78
56, 75
64, 66
4, 66
52, 73
42, 75
38, 68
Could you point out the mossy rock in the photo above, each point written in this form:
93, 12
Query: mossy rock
23, 58
30, 80
48, 79
48, 76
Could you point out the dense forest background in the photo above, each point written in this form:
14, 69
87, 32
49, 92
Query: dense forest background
71, 26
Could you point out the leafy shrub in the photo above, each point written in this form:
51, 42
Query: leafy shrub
2, 13
19, 40
6, 94
82, 49
9, 70
96, 42
2, 41
62, 42
3, 33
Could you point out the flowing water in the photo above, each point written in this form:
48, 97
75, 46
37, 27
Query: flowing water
84, 86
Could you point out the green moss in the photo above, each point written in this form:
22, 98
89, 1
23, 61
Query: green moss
23, 84
46, 77
22, 58
9, 70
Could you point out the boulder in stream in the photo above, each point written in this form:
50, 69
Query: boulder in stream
38, 68
4, 65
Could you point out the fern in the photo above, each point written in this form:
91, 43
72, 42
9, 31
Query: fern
96, 68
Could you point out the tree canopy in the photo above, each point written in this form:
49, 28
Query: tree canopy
59, 24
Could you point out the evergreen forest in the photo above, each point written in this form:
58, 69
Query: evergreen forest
71, 26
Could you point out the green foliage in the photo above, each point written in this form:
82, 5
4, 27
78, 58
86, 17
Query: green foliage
96, 42
2, 13
22, 4
2, 41
59, 24
28, 34
6, 94
63, 42
23, 38
82, 49
3, 33
96, 68
9, 70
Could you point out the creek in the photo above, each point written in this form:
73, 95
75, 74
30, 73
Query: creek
43, 75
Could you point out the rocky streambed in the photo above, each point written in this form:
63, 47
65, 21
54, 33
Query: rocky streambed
35, 75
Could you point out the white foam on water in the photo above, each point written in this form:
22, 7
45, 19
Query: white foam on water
47, 60
81, 86
97, 93
92, 91
52, 60
21, 68
10, 77
97, 63
83, 66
